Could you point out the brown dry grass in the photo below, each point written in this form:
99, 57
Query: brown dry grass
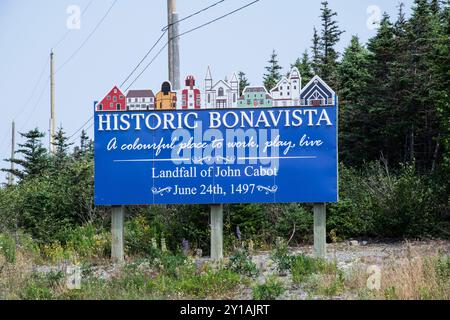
13, 277
414, 276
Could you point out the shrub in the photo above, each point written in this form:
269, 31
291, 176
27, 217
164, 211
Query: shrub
294, 215
303, 266
8, 247
281, 256
42, 287
139, 235
241, 262
270, 290
89, 242
56, 253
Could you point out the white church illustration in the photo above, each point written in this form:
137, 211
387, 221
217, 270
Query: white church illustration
287, 91
222, 94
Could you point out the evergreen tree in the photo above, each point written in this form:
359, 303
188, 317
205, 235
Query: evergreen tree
273, 74
316, 53
243, 82
62, 145
329, 38
85, 149
304, 66
34, 160
354, 75
379, 98
423, 34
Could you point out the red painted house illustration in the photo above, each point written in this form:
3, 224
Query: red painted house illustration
114, 101
190, 95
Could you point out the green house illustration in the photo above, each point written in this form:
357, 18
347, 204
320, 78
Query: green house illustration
255, 97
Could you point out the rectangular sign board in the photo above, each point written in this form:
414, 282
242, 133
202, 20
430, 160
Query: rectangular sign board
209, 156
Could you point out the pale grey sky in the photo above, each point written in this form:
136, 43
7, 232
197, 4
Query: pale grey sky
243, 41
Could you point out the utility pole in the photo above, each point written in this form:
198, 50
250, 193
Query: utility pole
13, 146
52, 103
173, 45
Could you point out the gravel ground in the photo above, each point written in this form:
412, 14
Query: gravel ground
348, 255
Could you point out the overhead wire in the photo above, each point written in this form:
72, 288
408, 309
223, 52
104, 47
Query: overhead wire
164, 30
87, 38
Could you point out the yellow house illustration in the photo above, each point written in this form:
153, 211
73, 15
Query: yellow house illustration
166, 99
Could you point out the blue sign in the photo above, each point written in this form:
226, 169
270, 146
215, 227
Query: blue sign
249, 155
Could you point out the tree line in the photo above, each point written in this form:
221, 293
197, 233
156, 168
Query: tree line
393, 111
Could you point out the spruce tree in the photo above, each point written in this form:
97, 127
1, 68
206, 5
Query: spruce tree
423, 34
273, 74
329, 38
354, 75
61, 143
243, 82
304, 66
380, 95
34, 158
316, 53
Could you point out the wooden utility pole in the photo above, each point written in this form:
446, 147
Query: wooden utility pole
52, 103
13, 146
173, 45
320, 234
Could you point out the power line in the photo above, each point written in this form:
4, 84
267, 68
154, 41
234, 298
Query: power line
88, 37
219, 18
165, 45
80, 128
34, 90
164, 31
36, 104
189, 31
148, 65
145, 57
192, 15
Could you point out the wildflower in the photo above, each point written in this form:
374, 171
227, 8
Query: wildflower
238, 233
185, 246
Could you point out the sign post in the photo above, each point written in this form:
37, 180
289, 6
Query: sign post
117, 218
216, 232
320, 230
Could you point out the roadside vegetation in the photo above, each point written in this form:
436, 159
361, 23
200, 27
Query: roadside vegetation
394, 175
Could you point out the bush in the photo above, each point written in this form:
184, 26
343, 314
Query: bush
8, 247
56, 253
281, 256
139, 235
270, 290
89, 242
43, 287
241, 262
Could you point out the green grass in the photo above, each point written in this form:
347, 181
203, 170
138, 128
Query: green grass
270, 290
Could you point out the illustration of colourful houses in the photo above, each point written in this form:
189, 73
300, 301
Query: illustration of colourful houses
254, 97
287, 91
317, 93
190, 95
166, 99
140, 100
222, 94
113, 101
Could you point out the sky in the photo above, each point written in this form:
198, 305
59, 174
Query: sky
240, 42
